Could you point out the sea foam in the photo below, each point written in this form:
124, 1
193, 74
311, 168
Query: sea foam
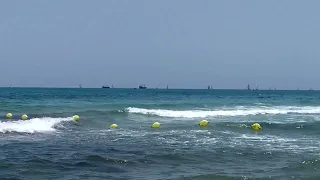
243, 111
44, 124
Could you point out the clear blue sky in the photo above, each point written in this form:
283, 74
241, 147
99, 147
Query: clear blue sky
182, 43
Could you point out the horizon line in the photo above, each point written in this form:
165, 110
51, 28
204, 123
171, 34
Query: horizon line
48, 87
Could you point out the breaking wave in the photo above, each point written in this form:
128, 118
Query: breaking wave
225, 112
45, 124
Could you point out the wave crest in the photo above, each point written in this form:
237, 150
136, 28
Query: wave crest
45, 124
224, 112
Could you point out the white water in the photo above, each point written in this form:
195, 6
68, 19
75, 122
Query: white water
238, 111
45, 124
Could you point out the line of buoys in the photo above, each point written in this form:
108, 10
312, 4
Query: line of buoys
23, 117
202, 123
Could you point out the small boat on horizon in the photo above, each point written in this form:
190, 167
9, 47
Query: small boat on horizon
142, 87
106, 87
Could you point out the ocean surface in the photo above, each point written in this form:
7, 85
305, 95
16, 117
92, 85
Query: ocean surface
51, 145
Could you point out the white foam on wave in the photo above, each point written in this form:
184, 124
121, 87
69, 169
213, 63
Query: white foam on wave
44, 124
238, 111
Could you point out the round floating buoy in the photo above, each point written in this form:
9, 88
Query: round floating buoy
156, 125
256, 126
113, 126
9, 115
24, 117
76, 118
204, 123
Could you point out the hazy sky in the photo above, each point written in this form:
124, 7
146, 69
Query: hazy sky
182, 43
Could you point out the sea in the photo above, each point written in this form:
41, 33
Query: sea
51, 145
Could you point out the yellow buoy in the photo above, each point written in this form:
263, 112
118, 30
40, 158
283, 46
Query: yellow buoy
204, 123
9, 115
24, 117
76, 118
156, 125
256, 126
113, 126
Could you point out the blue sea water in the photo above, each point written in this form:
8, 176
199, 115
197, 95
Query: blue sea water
50, 145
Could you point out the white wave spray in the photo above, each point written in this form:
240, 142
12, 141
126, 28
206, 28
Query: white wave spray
226, 112
44, 124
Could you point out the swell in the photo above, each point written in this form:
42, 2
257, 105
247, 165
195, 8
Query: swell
48, 166
100, 161
305, 169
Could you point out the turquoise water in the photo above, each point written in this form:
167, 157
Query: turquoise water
50, 145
